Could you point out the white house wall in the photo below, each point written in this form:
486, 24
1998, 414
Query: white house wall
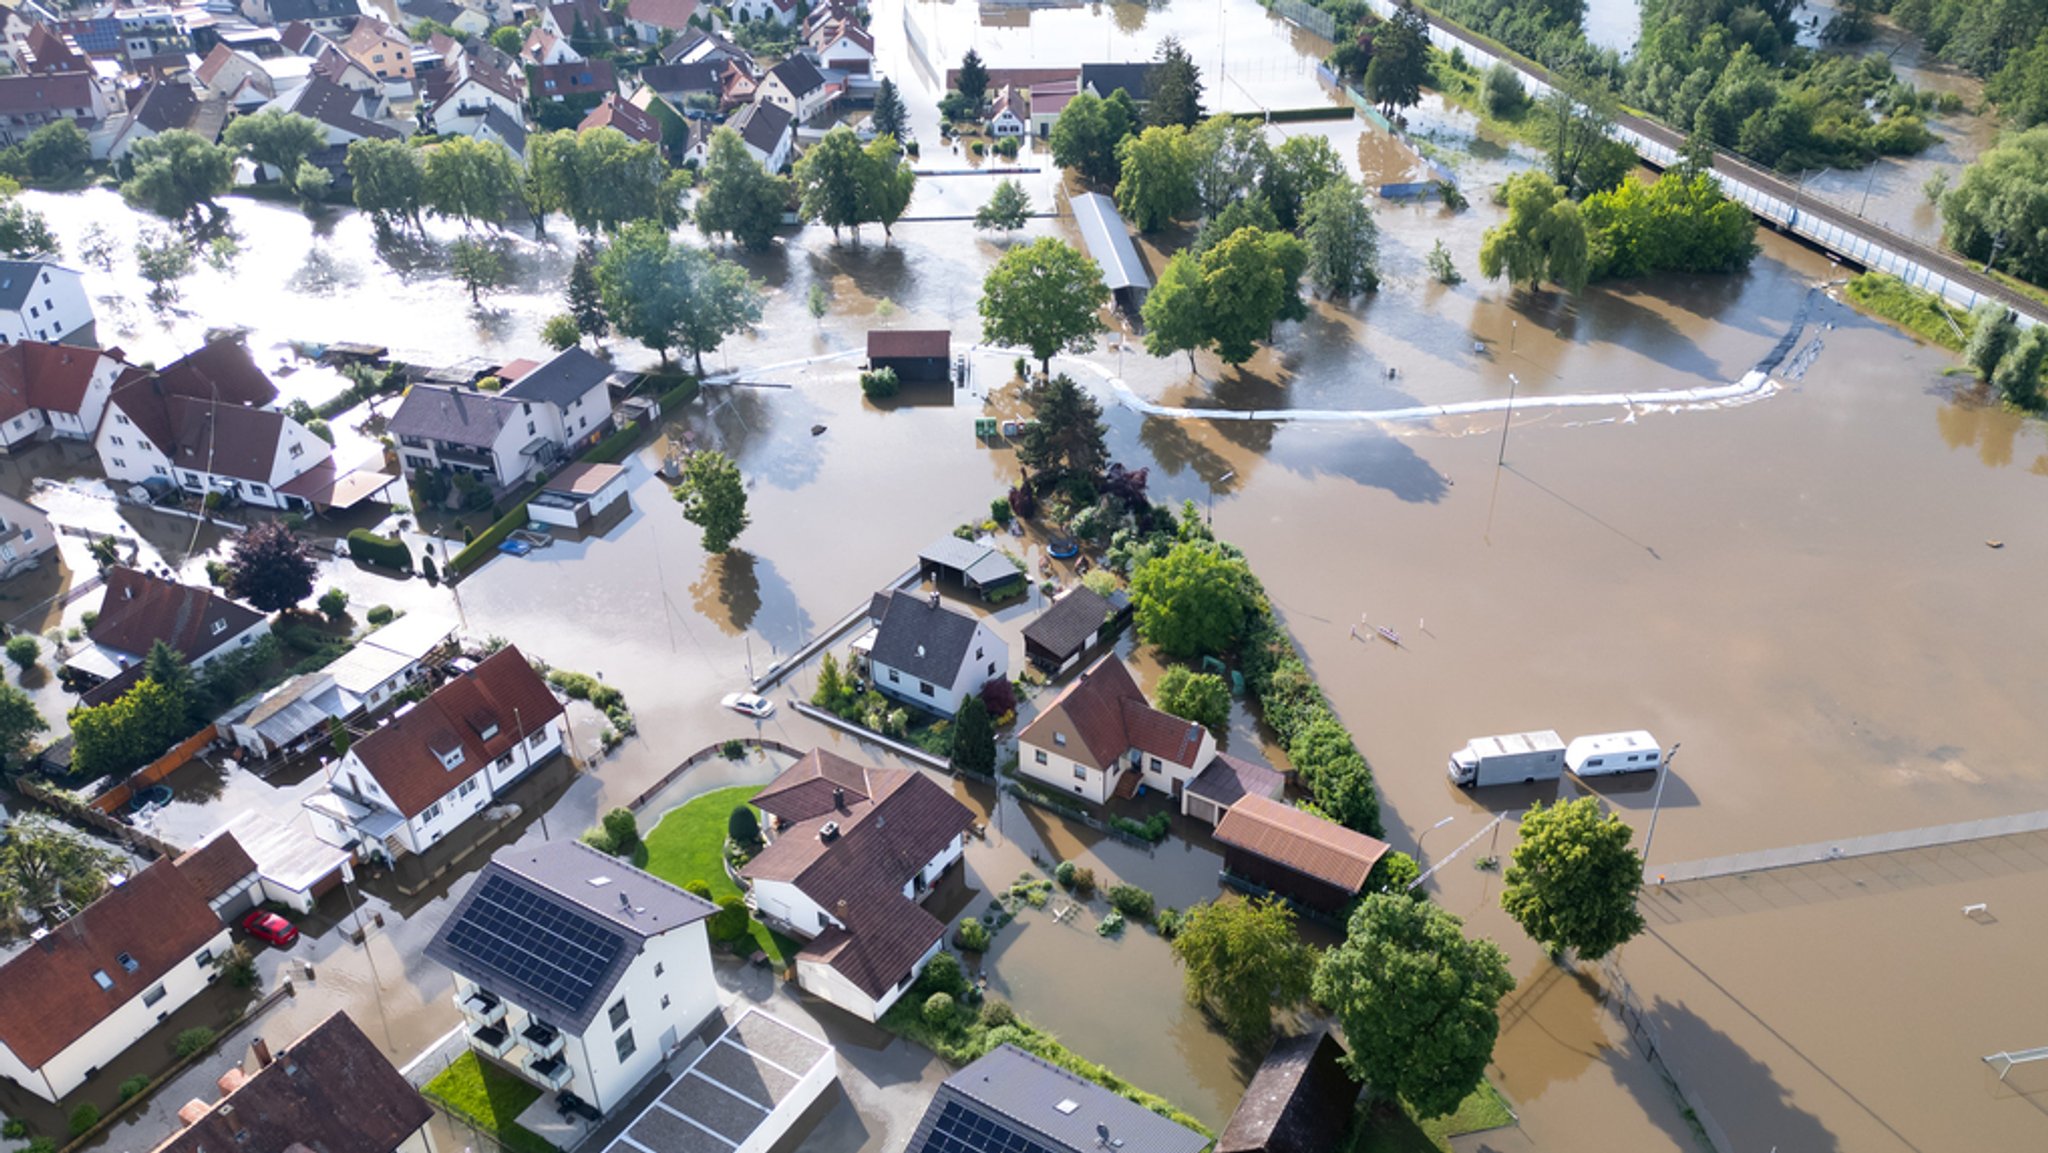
1058, 770
54, 309
792, 1106
824, 981
784, 900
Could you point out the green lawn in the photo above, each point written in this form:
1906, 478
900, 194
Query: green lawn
1402, 1133
490, 1099
689, 845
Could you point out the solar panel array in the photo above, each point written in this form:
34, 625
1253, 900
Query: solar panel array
963, 1130
534, 942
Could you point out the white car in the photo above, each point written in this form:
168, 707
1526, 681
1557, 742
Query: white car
752, 704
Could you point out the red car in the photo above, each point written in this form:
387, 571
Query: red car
270, 928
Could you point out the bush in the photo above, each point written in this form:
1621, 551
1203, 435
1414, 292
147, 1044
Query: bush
133, 1087
334, 604
732, 750
1168, 922
1084, 882
195, 1040
486, 543
429, 570
1111, 925
938, 1010
996, 1014
1001, 698
999, 510
24, 650
1007, 147
729, 924
1203, 698
698, 889
972, 936
1504, 91
880, 384
1152, 829
14, 1129
238, 965
383, 551
743, 827
943, 975
1131, 901
380, 615
1064, 873
84, 1118
217, 574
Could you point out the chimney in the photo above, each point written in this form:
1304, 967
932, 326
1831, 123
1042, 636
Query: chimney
839, 798
261, 1049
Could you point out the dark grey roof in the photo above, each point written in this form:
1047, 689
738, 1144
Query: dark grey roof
927, 640
980, 565
1064, 628
283, 12
798, 75
1300, 1098
507, 128
18, 277
456, 415
762, 125
562, 381
554, 926
1010, 1092
1134, 78
335, 106
1227, 780
702, 76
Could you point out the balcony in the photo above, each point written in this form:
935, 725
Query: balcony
550, 1071
490, 1039
482, 1008
541, 1039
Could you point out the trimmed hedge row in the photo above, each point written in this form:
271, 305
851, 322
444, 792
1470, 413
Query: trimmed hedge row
383, 551
486, 543
612, 448
680, 395
1292, 115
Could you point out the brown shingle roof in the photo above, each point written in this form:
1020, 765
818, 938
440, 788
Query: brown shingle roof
886, 936
139, 609
670, 14
805, 789
49, 996
405, 755
217, 865
1227, 779
1301, 841
45, 92
1064, 628
1108, 712
330, 1091
892, 342
614, 112
884, 839
1299, 1100
53, 377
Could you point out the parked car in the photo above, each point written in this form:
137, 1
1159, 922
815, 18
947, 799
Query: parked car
270, 928
752, 704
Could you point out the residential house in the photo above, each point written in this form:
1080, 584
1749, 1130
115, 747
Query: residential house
505, 129
544, 47
852, 852
76, 998
750, 11
492, 437
1101, 736
1047, 100
1011, 1100
842, 45
1300, 1096
41, 300
1225, 781
333, 17
589, 22
558, 82
698, 46
26, 536
614, 111
651, 20
677, 83
573, 390
1135, 78
428, 769
331, 1090
767, 131
58, 388
393, 658
138, 609
577, 971
235, 76
223, 871
465, 20
42, 49
796, 87
1076, 621
332, 64
202, 425
1010, 114
916, 355
345, 114
383, 51
254, 859
1315, 863
164, 105
463, 95
922, 652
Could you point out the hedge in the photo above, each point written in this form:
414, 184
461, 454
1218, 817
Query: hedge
384, 551
612, 448
680, 395
480, 550
1290, 115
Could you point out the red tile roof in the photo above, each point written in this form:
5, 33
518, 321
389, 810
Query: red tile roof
53, 377
140, 609
49, 995
217, 865
502, 696
894, 342
1108, 713
614, 112
886, 937
1301, 841
51, 92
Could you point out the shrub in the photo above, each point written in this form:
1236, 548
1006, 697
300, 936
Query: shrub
996, 1014
1504, 92
212, 501
698, 889
195, 1040
1084, 882
238, 965
1111, 925
729, 923
943, 975
1000, 696
429, 571
84, 1118
1131, 901
1064, 874
938, 1010
1152, 829
133, 1086
487, 542
14, 1129
732, 750
972, 936
24, 650
383, 551
1168, 922
1007, 147
742, 826
380, 615
999, 510
1199, 697
334, 604
217, 574
880, 384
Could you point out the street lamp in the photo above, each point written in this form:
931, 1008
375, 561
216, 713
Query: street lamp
1860, 205
1426, 832
1210, 516
1663, 774
1798, 188
1514, 382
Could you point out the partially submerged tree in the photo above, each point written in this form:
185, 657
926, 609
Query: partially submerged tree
739, 198
177, 175
1542, 238
1065, 437
1343, 242
1008, 207
1044, 296
270, 568
714, 498
477, 265
1574, 879
674, 296
1243, 959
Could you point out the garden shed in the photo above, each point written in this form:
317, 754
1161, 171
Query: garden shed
1295, 854
977, 566
919, 356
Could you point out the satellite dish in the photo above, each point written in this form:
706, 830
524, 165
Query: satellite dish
1102, 1133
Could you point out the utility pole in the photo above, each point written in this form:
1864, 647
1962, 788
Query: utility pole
1866, 187
1657, 803
1210, 516
1513, 384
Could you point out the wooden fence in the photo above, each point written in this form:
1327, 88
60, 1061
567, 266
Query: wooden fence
178, 757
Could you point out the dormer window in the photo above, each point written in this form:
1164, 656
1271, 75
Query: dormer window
488, 731
127, 963
451, 759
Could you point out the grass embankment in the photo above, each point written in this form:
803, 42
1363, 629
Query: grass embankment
688, 844
1920, 313
1465, 88
490, 1099
1391, 1131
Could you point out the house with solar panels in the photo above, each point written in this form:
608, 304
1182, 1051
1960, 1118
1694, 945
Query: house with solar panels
1013, 1102
576, 971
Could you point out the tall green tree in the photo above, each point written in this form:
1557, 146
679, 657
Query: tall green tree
600, 178
1194, 599
1343, 242
1543, 237
829, 184
388, 180
586, 301
1044, 296
56, 153
1418, 1000
1066, 436
1199, 697
1176, 311
739, 199
891, 117
1157, 182
1008, 207
1085, 138
886, 183
1300, 167
1176, 83
270, 568
974, 738
2020, 88
714, 498
1574, 879
470, 180
973, 79
1994, 214
128, 732
24, 232
277, 140
477, 264
1674, 224
1231, 159
1400, 60
1242, 960
1572, 124
2018, 377
177, 175
1251, 281
1992, 332
43, 864
19, 723
674, 296
163, 259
